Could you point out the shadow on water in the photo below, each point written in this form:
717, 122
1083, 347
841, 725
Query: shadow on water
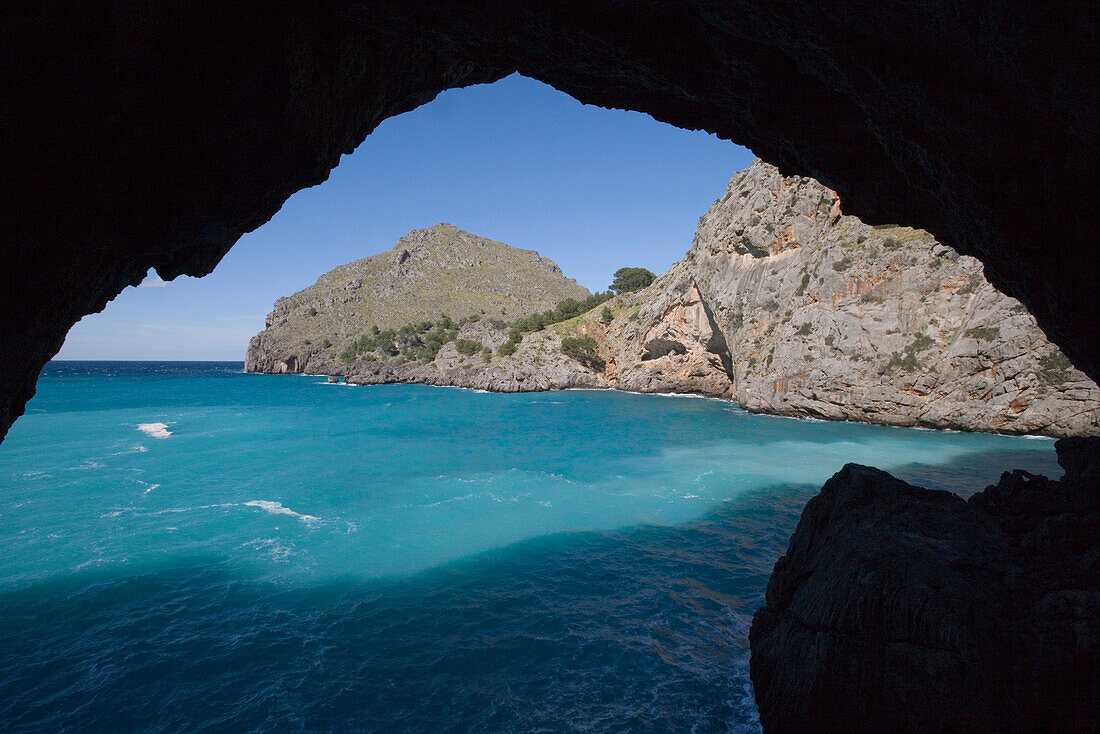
975, 471
641, 629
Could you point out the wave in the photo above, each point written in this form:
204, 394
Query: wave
155, 430
276, 508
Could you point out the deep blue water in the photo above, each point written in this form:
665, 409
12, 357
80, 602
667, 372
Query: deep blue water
189, 548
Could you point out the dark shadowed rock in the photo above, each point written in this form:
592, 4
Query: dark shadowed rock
898, 608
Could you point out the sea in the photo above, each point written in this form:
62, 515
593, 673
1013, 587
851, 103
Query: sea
188, 548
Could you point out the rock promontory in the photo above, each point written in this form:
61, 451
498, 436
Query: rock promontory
430, 273
788, 306
782, 303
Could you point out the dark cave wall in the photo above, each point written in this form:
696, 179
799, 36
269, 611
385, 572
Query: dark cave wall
154, 134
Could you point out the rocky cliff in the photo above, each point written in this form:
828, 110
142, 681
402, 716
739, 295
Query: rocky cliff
428, 273
788, 306
898, 608
782, 303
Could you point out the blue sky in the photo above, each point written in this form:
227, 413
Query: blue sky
516, 161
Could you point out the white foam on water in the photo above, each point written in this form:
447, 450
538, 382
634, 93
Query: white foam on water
150, 488
449, 499
154, 430
271, 548
692, 395
179, 510
136, 448
465, 389
276, 508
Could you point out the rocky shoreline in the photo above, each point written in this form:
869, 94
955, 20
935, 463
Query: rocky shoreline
784, 305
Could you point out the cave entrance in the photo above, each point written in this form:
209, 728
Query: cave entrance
515, 161
761, 319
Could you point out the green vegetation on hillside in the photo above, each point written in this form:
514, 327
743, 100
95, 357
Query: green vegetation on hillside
467, 347
565, 310
1054, 369
628, 280
436, 270
908, 361
420, 341
984, 333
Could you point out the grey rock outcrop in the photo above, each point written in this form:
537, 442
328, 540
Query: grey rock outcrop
903, 609
790, 307
782, 303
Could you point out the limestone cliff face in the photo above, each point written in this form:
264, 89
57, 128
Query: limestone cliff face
788, 306
782, 303
429, 272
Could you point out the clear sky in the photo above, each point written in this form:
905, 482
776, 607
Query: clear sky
516, 161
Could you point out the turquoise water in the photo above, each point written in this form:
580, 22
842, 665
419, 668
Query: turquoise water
190, 547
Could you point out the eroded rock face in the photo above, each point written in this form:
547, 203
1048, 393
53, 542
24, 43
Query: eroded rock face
824, 316
898, 608
790, 307
155, 134
782, 303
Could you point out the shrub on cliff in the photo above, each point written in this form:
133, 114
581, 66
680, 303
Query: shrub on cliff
565, 310
1054, 369
467, 346
631, 279
582, 349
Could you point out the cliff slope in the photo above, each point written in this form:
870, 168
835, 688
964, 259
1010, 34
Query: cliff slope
428, 273
782, 303
788, 306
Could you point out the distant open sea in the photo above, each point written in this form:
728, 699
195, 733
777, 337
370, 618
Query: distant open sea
185, 547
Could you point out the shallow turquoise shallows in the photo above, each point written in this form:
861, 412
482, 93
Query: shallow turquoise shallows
187, 547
